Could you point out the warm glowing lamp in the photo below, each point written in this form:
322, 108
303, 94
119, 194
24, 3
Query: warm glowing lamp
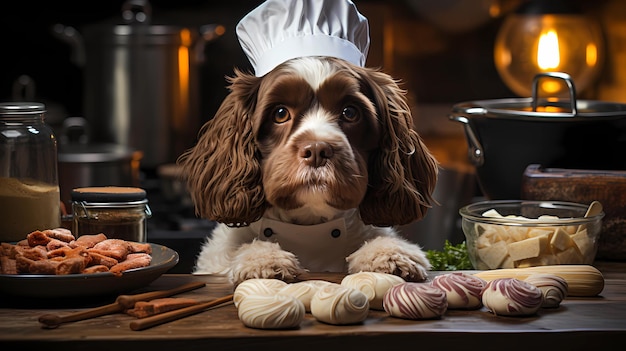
548, 36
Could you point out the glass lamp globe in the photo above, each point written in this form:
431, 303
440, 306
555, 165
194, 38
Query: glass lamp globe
548, 36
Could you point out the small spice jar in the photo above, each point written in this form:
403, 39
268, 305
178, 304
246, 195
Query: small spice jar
117, 212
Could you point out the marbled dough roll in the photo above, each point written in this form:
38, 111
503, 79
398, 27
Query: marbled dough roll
553, 287
338, 304
270, 312
259, 286
463, 291
411, 300
512, 297
303, 291
373, 284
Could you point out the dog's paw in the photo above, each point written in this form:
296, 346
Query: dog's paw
390, 255
262, 259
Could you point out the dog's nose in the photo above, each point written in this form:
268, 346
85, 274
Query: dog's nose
316, 153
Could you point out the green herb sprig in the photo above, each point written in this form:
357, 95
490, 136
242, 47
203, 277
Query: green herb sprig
451, 258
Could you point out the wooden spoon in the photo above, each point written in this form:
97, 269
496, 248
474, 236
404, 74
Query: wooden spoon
594, 208
51, 320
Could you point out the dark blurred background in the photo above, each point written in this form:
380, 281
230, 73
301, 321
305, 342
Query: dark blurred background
33, 49
442, 55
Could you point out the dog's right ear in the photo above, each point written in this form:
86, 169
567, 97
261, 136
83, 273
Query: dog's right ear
222, 171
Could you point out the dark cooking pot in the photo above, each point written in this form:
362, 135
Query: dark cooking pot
506, 135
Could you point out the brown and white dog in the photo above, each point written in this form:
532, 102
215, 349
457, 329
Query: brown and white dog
308, 168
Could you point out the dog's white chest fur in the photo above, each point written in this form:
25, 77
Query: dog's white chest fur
321, 247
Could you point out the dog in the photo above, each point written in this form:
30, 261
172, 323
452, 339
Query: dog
309, 168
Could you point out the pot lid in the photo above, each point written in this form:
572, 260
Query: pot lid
522, 108
545, 109
22, 108
96, 153
135, 18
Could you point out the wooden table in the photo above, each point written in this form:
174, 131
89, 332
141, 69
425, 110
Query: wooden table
582, 323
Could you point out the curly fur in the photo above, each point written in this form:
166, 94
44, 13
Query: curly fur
345, 149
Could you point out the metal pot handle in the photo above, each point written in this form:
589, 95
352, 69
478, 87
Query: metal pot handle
74, 39
23, 88
475, 151
556, 75
75, 130
137, 11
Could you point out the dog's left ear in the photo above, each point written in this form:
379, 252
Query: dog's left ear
402, 172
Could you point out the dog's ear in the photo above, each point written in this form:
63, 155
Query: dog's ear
222, 171
402, 172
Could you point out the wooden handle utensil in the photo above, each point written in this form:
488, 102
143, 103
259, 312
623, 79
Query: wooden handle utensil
165, 317
128, 301
50, 321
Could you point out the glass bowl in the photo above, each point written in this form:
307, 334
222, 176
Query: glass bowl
519, 233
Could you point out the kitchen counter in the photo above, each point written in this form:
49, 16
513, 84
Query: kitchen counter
580, 323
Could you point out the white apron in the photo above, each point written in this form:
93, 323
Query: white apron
319, 248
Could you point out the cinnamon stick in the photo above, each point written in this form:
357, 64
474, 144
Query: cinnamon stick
166, 317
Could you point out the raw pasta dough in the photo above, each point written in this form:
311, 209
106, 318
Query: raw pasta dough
270, 312
373, 284
338, 304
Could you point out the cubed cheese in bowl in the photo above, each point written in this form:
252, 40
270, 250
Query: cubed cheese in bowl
518, 233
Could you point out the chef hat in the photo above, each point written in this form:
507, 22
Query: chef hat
279, 30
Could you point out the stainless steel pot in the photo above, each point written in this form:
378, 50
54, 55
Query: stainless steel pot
506, 135
141, 81
82, 163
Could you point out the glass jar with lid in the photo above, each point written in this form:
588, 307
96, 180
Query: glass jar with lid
29, 186
115, 211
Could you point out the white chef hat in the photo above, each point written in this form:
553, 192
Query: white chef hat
279, 30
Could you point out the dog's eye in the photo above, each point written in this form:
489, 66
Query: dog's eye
350, 114
281, 114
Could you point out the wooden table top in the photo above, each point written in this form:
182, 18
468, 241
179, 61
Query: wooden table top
580, 323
